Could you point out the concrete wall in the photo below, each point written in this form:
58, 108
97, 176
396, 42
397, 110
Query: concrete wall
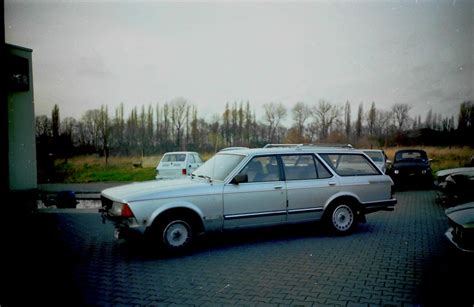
21, 120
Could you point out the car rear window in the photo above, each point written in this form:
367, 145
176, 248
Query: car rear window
350, 164
376, 156
174, 158
410, 155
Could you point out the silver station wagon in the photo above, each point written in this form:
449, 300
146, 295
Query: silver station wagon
244, 188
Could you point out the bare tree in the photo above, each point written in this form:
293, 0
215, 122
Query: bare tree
118, 128
301, 112
55, 121
382, 125
429, 119
400, 115
358, 124
43, 126
104, 128
347, 119
274, 113
68, 129
178, 116
215, 137
91, 119
324, 115
371, 118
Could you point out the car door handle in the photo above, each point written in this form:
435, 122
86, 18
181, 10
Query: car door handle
332, 183
278, 187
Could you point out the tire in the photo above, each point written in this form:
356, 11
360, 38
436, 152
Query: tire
341, 218
173, 235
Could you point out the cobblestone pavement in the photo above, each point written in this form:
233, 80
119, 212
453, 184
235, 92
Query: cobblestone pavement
398, 258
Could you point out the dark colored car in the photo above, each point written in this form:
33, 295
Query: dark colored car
461, 230
455, 185
411, 167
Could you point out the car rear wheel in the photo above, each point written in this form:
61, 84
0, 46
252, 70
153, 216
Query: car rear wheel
341, 218
174, 234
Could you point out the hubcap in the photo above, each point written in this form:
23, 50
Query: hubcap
342, 218
176, 233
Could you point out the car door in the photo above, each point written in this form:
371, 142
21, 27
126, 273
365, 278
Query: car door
259, 201
309, 185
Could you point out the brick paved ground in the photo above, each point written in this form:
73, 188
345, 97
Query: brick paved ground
398, 258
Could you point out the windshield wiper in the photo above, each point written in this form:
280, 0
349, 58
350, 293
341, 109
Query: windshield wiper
205, 177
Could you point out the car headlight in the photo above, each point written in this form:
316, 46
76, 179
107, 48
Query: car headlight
396, 172
423, 172
120, 209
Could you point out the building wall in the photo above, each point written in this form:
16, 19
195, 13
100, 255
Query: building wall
21, 120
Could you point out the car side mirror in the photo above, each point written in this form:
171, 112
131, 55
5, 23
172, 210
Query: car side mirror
240, 178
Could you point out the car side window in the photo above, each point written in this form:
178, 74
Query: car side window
323, 172
198, 159
299, 167
191, 159
260, 169
350, 164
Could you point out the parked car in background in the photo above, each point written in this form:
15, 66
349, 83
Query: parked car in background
461, 230
379, 157
178, 164
245, 188
455, 185
411, 167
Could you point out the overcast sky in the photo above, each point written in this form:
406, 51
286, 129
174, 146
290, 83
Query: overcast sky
90, 53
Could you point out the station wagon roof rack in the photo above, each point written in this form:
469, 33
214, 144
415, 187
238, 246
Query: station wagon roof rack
282, 145
308, 145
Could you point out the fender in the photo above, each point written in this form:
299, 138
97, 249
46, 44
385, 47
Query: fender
339, 195
174, 205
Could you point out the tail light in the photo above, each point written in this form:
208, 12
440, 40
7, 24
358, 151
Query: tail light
126, 212
183, 171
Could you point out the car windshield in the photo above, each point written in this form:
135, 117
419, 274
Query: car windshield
376, 156
218, 167
174, 158
410, 155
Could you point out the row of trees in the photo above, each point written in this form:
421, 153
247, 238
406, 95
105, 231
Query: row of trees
175, 125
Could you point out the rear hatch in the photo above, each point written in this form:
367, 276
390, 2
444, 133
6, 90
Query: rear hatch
172, 165
171, 169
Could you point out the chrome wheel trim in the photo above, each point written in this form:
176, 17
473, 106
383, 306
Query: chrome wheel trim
342, 217
177, 233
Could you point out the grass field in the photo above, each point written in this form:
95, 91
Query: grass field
93, 168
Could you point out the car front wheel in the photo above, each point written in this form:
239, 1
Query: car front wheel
174, 235
341, 218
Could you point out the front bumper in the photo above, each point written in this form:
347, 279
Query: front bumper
451, 237
124, 227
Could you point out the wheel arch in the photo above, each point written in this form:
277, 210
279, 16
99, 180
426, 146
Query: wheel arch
346, 197
187, 210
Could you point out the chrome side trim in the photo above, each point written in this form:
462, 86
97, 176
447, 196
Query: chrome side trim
317, 209
256, 214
